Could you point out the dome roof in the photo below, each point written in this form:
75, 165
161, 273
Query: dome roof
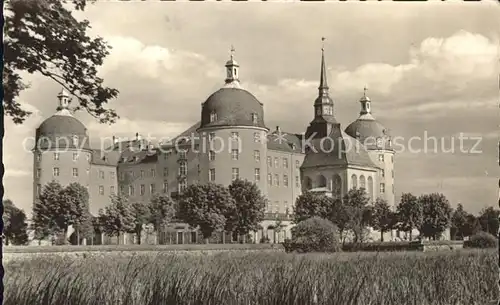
61, 128
368, 131
232, 107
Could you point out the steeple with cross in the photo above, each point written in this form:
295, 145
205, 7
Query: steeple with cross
365, 104
323, 105
232, 67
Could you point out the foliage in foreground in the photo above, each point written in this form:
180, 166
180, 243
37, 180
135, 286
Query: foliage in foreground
482, 240
314, 235
462, 277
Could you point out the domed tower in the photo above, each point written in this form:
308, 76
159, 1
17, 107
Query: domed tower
233, 134
377, 140
62, 151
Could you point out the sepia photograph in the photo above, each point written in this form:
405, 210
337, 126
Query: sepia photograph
251, 153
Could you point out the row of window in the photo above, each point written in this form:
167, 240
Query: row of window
213, 117
276, 207
235, 174
56, 172
277, 162
57, 155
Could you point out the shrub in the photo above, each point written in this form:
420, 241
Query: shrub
313, 235
482, 240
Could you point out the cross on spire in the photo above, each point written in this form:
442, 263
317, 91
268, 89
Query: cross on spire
364, 91
323, 44
232, 51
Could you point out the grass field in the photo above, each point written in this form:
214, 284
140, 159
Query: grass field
449, 278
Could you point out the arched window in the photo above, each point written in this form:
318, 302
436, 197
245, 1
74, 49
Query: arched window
321, 181
183, 168
362, 182
370, 188
337, 186
307, 183
213, 116
354, 181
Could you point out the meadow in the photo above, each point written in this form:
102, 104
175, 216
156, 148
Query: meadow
417, 278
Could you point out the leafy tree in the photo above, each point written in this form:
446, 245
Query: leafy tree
118, 217
356, 211
161, 211
43, 37
207, 207
141, 214
488, 220
383, 217
472, 225
410, 214
84, 228
436, 212
310, 205
45, 210
249, 207
482, 240
15, 226
75, 201
458, 223
314, 235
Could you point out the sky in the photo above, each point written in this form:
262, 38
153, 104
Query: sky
431, 70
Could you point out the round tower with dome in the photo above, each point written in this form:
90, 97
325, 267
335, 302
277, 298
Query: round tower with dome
62, 152
232, 133
378, 142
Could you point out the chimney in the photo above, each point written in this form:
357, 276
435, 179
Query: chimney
115, 140
137, 136
278, 129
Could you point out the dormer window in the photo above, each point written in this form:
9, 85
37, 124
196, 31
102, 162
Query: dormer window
213, 117
75, 140
255, 118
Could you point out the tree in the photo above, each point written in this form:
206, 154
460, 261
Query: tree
249, 207
488, 219
314, 235
142, 215
207, 207
15, 226
356, 212
43, 37
436, 211
383, 218
310, 205
75, 204
161, 210
472, 225
409, 213
118, 217
458, 223
45, 210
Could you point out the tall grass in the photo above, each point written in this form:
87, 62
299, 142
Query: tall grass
448, 278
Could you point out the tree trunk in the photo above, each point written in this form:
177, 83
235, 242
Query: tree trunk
223, 237
118, 239
381, 235
77, 237
206, 240
138, 232
410, 235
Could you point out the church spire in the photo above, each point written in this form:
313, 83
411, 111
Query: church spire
323, 82
64, 101
232, 67
366, 111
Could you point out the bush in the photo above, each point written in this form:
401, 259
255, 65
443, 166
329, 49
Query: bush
482, 240
313, 235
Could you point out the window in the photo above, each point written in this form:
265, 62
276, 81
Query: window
235, 154
212, 174
181, 187
38, 156
153, 172
382, 188
152, 188
165, 186
276, 180
257, 174
142, 190
183, 168
381, 157
285, 180
234, 135
101, 190
211, 155
165, 172
56, 156
112, 175
382, 173
269, 179
38, 189
276, 162
255, 118
269, 162
122, 189
122, 176
101, 174
213, 117
297, 181
131, 174
285, 163
75, 140
256, 137
75, 156
297, 163
112, 190
182, 154
276, 207
235, 173
55, 171
211, 136
38, 172
75, 172
131, 190
256, 155
165, 156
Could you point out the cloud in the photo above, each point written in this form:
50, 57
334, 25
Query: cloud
13, 173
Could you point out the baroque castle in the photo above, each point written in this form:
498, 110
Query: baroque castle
230, 141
